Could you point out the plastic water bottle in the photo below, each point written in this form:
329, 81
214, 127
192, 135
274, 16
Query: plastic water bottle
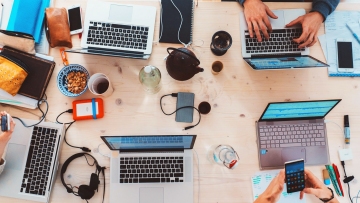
150, 77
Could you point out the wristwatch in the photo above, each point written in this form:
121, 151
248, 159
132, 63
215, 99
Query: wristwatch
332, 196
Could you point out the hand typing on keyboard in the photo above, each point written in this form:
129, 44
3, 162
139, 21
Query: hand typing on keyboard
310, 23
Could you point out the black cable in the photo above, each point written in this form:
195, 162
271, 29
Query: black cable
42, 112
168, 114
343, 165
85, 149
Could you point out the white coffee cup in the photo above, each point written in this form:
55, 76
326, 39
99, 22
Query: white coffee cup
99, 84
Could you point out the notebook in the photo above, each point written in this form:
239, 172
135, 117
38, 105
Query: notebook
28, 16
40, 71
32, 161
153, 167
170, 21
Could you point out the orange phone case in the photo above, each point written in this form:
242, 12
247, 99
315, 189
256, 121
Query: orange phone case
89, 113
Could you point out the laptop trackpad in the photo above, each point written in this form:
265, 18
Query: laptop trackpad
15, 156
151, 195
120, 13
280, 21
290, 154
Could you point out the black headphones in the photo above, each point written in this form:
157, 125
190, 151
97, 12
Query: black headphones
84, 191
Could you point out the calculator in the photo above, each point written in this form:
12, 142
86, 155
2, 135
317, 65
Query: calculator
294, 175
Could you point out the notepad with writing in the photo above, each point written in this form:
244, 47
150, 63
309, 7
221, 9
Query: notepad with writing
170, 21
39, 73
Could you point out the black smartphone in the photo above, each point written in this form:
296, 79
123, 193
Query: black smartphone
186, 114
294, 175
5, 123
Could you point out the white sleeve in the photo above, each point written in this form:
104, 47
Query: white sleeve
2, 166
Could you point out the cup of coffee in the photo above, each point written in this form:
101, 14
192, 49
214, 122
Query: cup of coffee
99, 84
221, 41
216, 67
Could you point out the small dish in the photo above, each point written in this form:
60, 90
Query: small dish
62, 81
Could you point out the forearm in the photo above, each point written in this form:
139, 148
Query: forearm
324, 7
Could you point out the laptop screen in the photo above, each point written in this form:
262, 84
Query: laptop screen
296, 110
283, 62
157, 142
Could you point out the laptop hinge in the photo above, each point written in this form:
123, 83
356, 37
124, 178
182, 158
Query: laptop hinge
152, 150
275, 55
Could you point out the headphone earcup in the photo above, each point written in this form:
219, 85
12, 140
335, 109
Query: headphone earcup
94, 181
85, 192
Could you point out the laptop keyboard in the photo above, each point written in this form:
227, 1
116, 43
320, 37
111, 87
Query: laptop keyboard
151, 169
36, 174
116, 35
300, 135
281, 40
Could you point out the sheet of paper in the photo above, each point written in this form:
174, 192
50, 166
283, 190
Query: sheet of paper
338, 19
260, 182
6, 13
15, 100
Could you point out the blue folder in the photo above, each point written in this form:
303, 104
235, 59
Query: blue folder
28, 16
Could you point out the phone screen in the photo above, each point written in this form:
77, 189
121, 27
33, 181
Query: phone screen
75, 18
345, 55
295, 179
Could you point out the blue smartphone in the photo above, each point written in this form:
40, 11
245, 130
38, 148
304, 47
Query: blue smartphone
5, 122
294, 175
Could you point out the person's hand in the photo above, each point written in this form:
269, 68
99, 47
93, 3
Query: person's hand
273, 191
256, 16
310, 23
5, 136
315, 187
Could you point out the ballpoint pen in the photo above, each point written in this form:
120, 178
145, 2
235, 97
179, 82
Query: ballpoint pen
353, 33
346, 129
337, 174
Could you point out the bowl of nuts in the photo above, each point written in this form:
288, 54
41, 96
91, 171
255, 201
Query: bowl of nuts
72, 80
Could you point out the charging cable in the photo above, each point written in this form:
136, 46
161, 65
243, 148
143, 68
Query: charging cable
85, 149
341, 129
168, 114
42, 112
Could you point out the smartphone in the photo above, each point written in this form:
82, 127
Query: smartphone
294, 175
75, 20
5, 123
345, 55
186, 114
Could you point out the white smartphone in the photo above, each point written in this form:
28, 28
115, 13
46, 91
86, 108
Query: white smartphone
75, 20
345, 57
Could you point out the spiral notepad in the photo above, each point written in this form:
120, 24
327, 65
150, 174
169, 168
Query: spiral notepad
170, 21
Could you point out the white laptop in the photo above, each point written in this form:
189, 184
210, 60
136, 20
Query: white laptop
279, 51
113, 29
151, 169
31, 161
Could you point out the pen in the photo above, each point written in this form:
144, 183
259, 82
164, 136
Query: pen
336, 170
347, 129
352, 31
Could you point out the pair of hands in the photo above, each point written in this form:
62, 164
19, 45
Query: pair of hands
5, 136
312, 186
256, 15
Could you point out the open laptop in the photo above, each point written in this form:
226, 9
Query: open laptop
294, 130
113, 29
151, 169
279, 51
31, 161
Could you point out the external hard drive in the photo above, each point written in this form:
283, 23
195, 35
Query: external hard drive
186, 114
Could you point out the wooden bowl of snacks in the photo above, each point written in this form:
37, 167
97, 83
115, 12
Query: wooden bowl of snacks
72, 80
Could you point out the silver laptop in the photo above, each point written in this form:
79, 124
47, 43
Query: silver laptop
151, 169
279, 51
31, 161
113, 29
294, 130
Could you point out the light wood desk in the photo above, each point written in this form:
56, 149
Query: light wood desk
238, 96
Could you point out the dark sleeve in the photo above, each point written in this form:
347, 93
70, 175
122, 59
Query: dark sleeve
241, 2
324, 7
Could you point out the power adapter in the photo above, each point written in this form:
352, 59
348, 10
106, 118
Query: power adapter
345, 154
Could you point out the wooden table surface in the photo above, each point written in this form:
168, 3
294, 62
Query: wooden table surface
238, 96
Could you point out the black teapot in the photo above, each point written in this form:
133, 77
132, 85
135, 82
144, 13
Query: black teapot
182, 64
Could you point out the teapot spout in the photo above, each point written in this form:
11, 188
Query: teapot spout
199, 69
